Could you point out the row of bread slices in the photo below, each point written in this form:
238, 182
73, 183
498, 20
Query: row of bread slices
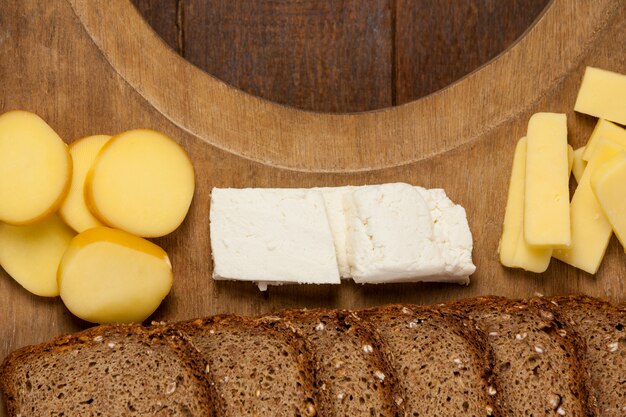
489, 356
113, 192
372, 234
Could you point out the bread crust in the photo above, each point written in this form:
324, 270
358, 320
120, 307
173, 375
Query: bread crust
600, 388
456, 323
84, 339
345, 321
575, 345
265, 326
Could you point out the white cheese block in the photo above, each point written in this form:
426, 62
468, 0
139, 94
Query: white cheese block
335, 210
451, 232
272, 236
391, 236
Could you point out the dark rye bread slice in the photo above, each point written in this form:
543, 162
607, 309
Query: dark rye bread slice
258, 367
537, 367
603, 327
351, 371
107, 371
441, 364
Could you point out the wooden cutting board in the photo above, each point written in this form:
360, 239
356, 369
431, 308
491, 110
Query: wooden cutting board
90, 67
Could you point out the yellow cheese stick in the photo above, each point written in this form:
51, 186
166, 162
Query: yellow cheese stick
608, 183
607, 130
603, 94
591, 230
578, 167
513, 250
546, 205
570, 159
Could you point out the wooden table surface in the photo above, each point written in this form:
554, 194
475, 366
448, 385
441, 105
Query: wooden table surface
95, 66
339, 55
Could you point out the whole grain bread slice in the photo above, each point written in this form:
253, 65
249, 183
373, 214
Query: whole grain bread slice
442, 366
107, 371
537, 366
351, 371
603, 327
258, 367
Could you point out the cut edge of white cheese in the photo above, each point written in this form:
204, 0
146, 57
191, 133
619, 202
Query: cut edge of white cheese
272, 236
451, 232
391, 237
336, 212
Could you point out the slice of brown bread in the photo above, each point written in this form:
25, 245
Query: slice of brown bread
107, 371
351, 371
603, 327
258, 367
537, 367
442, 367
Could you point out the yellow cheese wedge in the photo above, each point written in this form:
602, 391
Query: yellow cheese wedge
603, 94
608, 183
74, 210
591, 229
513, 250
546, 205
607, 130
570, 158
578, 167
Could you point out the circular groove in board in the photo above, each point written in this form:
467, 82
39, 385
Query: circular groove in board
288, 138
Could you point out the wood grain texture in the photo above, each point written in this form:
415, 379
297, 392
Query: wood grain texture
438, 42
90, 67
340, 56
317, 55
165, 16
271, 134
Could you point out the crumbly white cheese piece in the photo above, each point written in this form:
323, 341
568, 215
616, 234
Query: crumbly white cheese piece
379, 233
272, 236
333, 198
451, 232
391, 236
